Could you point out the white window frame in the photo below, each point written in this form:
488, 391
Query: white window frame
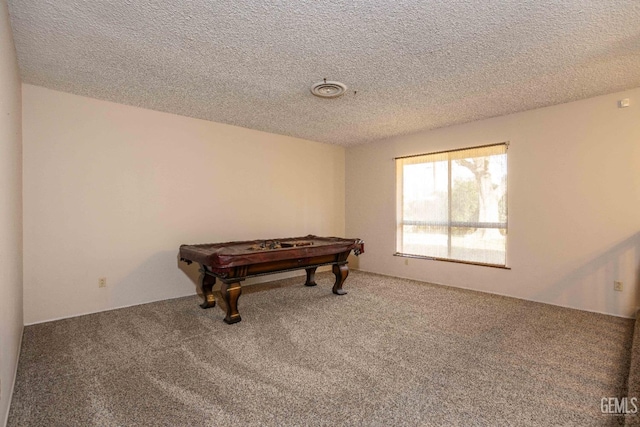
400, 222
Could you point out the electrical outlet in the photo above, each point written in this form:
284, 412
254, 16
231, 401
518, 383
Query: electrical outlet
102, 282
617, 286
406, 261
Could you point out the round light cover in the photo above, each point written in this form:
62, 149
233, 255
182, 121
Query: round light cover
328, 89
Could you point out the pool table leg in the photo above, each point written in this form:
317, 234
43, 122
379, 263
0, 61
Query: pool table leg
231, 292
311, 276
341, 272
206, 283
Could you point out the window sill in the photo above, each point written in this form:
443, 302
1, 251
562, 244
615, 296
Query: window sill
503, 267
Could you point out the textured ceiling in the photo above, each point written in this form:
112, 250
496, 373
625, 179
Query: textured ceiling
414, 64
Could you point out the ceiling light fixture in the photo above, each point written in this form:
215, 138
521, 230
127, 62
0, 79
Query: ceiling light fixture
325, 89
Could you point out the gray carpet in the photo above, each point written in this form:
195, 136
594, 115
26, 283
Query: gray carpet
633, 382
392, 352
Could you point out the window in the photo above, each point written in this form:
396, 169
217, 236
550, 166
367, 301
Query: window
453, 205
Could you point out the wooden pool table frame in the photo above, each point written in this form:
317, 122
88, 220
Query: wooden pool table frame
233, 270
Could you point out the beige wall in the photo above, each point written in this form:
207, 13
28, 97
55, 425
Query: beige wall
10, 213
574, 204
112, 191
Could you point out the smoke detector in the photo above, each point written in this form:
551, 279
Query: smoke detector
328, 89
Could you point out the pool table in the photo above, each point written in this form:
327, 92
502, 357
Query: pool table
233, 262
